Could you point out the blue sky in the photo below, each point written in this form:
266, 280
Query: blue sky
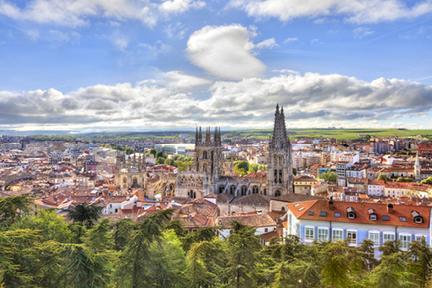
148, 64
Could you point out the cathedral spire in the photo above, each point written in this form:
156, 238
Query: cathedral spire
208, 136
199, 135
279, 138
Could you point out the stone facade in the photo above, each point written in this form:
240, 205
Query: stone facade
279, 164
130, 172
205, 177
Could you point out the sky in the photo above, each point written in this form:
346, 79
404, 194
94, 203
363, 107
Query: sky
96, 65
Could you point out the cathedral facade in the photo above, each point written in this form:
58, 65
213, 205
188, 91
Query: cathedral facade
205, 177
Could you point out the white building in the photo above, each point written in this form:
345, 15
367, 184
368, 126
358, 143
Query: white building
322, 220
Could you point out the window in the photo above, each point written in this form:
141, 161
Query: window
386, 218
323, 234
337, 234
388, 236
419, 238
323, 214
352, 237
374, 236
402, 219
405, 240
337, 214
309, 234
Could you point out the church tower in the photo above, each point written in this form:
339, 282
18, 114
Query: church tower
280, 172
208, 156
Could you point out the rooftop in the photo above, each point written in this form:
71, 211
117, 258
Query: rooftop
322, 210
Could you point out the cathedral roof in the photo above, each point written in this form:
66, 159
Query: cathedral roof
251, 200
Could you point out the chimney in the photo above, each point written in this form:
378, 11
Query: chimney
390, 208
331, 203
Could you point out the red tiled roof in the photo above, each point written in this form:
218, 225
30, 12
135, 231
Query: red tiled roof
312, 209
254, 220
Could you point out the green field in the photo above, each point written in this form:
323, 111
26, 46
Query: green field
339, 134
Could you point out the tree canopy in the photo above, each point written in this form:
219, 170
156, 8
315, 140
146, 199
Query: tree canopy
43, 249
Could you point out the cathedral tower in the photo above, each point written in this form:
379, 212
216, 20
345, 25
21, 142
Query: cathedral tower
208, 156
280, 172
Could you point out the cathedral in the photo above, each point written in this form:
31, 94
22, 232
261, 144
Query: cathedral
206, 175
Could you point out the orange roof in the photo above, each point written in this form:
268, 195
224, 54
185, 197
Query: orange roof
319, 210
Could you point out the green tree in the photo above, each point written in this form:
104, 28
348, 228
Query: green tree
243, 247
122, 231
99, 238
85, 268
335, 271
134, 266
51, 225
12, 208
168, 262
391, 272
241, 168
17, 257
85, 214
382, 177
206, 261
390, 247
328, 176
428, 180
421, 262
367, 254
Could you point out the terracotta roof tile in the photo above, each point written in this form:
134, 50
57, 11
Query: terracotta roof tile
320, 210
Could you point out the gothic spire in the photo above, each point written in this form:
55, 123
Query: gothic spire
279, 138
208, 136
199, 135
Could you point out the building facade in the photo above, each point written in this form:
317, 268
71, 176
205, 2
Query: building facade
207, 177
323, 220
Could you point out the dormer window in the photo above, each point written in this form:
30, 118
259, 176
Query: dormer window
417, 218
351, 213
372, 214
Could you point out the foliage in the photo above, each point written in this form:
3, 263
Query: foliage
382, 177
85, 214
242, 167
12, 208
328, 176
404, 179
45, 250
427, 180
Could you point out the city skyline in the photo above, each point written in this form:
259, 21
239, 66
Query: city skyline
151, 65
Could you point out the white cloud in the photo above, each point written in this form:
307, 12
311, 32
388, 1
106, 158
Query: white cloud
121, 42
309, 100
266, 44
77, 12
362, 32
32, 34
290, 39
179, 6
178, 79
357, 11
224, 51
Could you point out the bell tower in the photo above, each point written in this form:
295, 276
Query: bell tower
208, 156
280, 172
